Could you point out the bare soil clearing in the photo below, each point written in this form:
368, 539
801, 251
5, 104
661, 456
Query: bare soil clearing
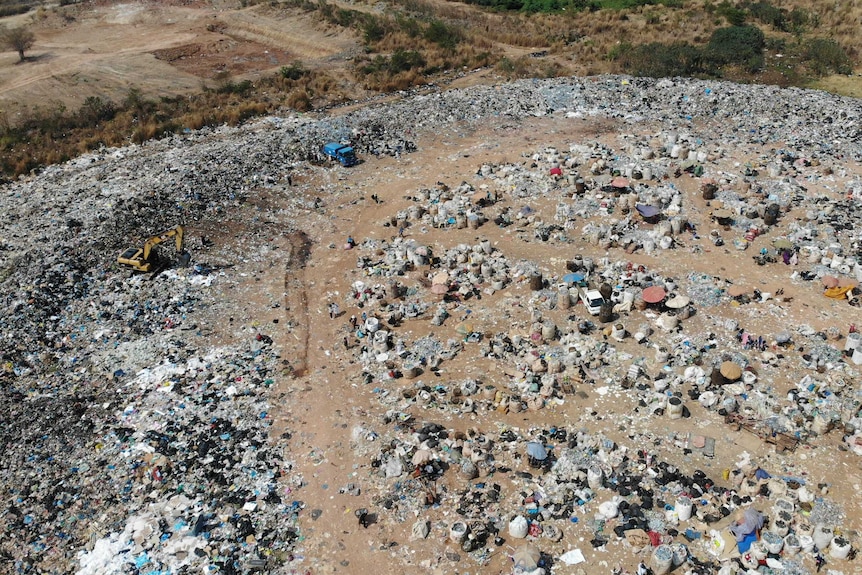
159, 48
325, 401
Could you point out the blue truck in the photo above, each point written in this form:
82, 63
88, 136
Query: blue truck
341, 153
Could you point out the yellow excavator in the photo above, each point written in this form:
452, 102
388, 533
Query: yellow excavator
143, 259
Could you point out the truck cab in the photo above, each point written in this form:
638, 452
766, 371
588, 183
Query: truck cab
592, 300
344, 155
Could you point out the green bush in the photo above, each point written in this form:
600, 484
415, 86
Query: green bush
800, 19
504, 5
293, 72
135, 101
505, 65
400, 61
542, 6
95, 110
14, 9
619, 50
403, 60
442, 35
409, 26
776, 44
239, 88
770, 15
338, 16
735, 16
826, 56
658, 60
555, 6
372, 30
736, 45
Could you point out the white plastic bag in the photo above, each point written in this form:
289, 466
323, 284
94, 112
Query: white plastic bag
518, 527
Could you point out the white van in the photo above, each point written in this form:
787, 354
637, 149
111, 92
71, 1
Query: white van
592, 300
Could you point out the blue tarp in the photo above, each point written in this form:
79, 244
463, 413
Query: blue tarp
537, 451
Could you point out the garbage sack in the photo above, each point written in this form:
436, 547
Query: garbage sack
420, 529
518, 527
716, 543
748, 522
393, 468
572, 557
537, 451
608, 509
637, 538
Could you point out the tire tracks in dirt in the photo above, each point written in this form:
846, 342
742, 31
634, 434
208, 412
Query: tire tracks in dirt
295, 342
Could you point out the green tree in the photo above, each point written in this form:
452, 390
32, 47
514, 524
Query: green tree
736, 45
19, 39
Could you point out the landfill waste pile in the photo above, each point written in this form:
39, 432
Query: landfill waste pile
563, 326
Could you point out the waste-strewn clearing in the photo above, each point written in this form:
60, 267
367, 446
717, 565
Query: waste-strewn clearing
392, 366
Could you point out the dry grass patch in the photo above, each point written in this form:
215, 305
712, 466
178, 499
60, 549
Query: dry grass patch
840, 84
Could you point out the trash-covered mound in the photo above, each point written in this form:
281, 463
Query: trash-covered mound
134, 441
153, 454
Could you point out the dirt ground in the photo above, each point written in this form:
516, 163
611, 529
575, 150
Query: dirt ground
162, 48
324, 402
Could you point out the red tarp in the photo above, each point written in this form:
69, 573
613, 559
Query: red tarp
654, 294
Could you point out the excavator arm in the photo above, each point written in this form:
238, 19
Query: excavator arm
156, 240
139, 258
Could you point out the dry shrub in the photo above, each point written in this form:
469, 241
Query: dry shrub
88, 144
145, 131
55, 156
515, 68
197, 120
245, 111
400, 81
397, 40
443, 10
23, 165
321, 84
299, 100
